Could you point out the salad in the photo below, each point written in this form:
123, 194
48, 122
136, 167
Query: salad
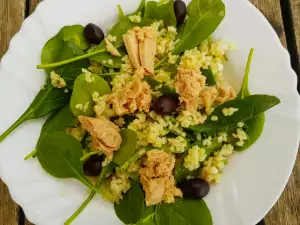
143, 116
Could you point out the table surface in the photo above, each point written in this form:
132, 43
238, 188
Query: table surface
284, 15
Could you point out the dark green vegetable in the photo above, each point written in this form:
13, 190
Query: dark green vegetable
248, 108
68, 43
183, 212
255, 125
82, 93
71, 71
127, 148
117, 61
121, 13
59, 154
210, 79
181, 173
148, 217
120, 28
93, 34
131, 207
203, 19
107, 169
156, 11
47, 100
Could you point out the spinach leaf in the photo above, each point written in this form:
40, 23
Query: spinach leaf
47, 100
210, 79
71, 71
58, 121
165, 90
162, 10
64, 46
131, 207
256, 124
59, 154
105, 56
127, 148
254, 130
82, 94
203, 19
105, 170
181, 173
183, 212
121, 13
247, 108
244, 92
147, 217
75, 34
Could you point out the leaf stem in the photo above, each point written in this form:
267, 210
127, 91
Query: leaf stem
245, 91
161, 62
90, 186
61, 63
31, 154
21, 120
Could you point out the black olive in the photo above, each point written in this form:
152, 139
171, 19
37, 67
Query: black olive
180, 11
165, 105
93, 34
93, 165
195, 188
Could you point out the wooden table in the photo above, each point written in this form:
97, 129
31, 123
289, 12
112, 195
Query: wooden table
284, 15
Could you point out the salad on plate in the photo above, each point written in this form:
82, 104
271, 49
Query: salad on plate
144, 116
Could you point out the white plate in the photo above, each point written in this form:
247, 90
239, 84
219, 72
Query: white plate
252, 181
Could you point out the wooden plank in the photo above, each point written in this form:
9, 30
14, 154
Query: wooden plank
9, 9
272, 11
287, 209
295, 9
33, 4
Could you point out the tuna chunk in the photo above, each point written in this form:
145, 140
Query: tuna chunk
106, 135
111, 49
132, 47
141, 47
157, 177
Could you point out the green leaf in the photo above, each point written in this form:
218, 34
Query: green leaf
75, 34
71, 71
156, 11
105, 170
82, 93
210, 79
183, 212
127, 148
121, 13
203, 19
147, 217
47, 100
59, 154
64, 46
58, 121
131, 207
181, 173
248, 108
117, 61
254, 130
245, 89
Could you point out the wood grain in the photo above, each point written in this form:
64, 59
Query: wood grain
295, 9
287, 209
11, 17
33, 4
